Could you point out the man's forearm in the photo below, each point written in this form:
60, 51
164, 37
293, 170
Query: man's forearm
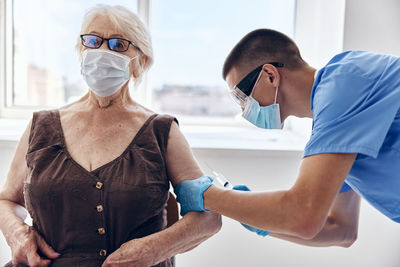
186, 234
282, 212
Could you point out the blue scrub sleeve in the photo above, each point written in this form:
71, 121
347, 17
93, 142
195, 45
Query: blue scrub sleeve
351, 114
345, 188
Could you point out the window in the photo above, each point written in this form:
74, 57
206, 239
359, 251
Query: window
191, 40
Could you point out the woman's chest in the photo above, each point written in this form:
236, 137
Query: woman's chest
93, 147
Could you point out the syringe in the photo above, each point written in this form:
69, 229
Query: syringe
222, 180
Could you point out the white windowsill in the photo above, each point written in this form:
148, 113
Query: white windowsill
202, 137
12, 129
242, 138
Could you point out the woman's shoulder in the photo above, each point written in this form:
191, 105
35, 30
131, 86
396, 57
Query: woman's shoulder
159, 124
144, 113
164, 120
43, 116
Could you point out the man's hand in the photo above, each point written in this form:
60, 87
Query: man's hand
26, 244
136, 252
190, 194
260, 232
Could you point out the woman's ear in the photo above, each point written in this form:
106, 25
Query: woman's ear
137, 66
144, 61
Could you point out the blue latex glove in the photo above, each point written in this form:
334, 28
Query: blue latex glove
190, 194
260, 232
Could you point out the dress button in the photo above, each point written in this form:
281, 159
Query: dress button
99, 185
99, 208
101, 231
103, 252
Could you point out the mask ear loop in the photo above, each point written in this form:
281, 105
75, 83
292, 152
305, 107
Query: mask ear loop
130, 61
276, 94
137, 80
134, 58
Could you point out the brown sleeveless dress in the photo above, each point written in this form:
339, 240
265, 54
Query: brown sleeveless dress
85, 215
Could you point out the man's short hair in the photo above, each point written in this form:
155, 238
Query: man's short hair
262, 46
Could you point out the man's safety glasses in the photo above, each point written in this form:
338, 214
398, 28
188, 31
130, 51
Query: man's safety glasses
241, 91
114, 44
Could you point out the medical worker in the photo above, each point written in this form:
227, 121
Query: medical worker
353, 152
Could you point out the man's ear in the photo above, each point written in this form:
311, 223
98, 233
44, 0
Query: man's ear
272, 74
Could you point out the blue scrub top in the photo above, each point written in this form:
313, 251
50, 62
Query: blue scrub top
355, 102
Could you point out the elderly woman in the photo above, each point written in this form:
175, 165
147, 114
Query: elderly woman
94, 175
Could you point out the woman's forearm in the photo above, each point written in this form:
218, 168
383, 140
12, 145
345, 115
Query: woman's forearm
11, 219
186, 234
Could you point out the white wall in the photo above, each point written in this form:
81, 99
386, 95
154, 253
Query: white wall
325, 28
372, 25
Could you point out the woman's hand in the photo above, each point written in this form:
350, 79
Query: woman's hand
138, 252
28, 246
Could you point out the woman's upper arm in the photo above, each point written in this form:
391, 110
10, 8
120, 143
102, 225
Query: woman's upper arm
181, 163
13, 187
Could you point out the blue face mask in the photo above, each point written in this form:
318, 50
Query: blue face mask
268, 117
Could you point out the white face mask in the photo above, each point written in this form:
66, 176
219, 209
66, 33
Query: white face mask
105, 72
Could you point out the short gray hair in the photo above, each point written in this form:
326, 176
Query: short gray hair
130, 25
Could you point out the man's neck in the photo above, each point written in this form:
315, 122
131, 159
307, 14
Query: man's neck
298, 86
